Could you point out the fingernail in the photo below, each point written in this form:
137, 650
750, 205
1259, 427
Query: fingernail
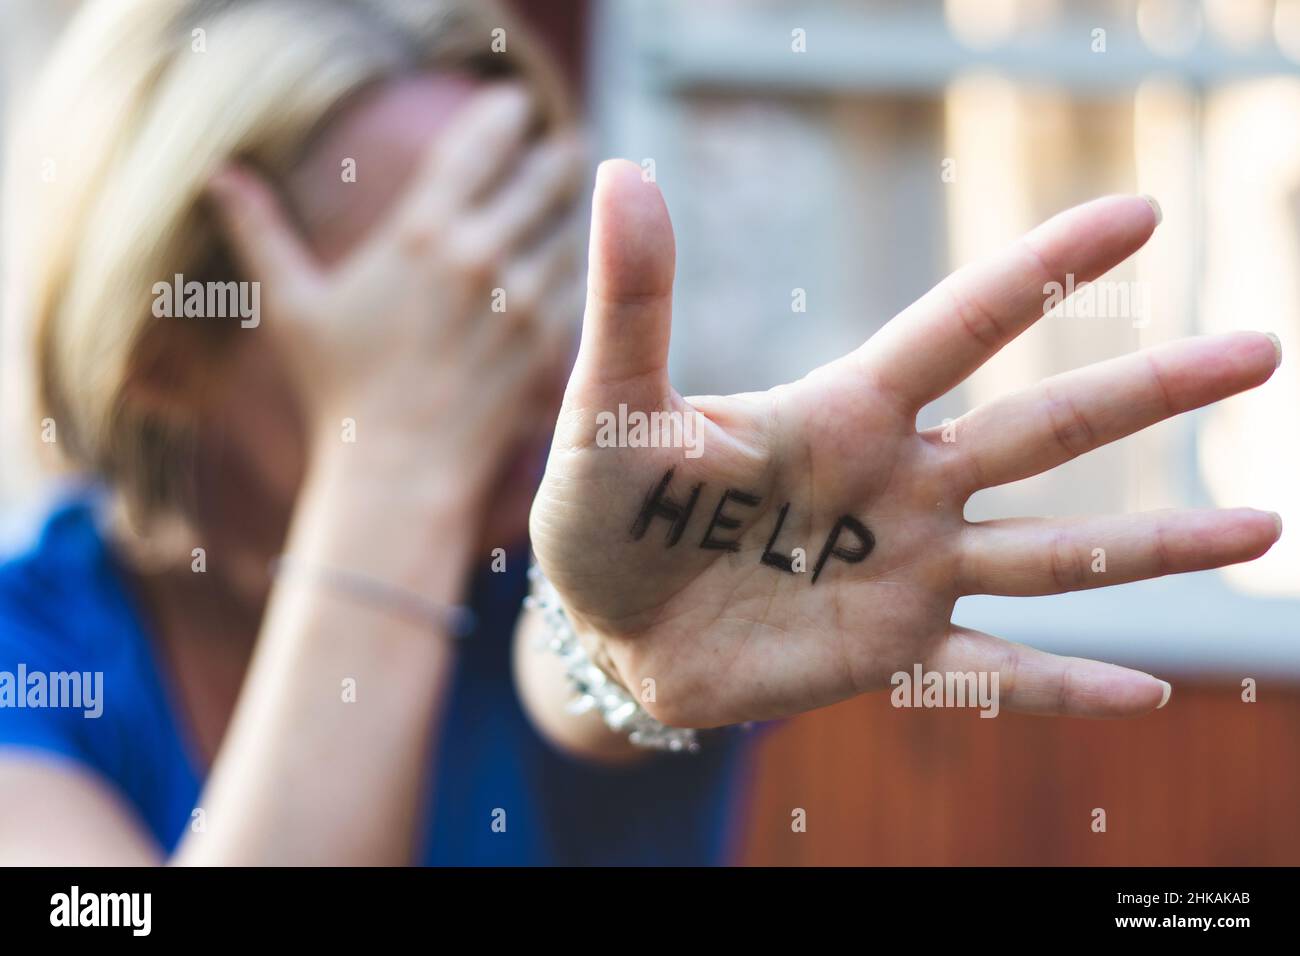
1155, 208
1277, 345
1164, 698
1277, 520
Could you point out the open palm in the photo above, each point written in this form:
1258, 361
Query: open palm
801, 545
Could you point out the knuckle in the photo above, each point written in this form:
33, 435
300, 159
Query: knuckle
524, 297
1070, 427
1065, 562
519, 317
1009, 673
420, 240
473, 256
964, 571
1158, 379
1164, 558
512, 320
980, 323
1065, 688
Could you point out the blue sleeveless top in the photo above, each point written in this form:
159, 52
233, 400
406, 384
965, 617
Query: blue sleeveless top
64, 607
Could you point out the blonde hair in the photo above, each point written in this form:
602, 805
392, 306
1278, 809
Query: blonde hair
140, 104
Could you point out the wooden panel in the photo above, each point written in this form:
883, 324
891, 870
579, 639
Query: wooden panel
1209, 780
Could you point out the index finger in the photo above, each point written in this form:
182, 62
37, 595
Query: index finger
469, 154
262, 239
937, 342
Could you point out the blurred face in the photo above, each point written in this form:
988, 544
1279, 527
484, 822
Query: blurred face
252, 449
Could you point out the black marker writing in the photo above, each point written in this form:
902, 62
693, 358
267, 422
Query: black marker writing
657, 506
773, 558
866, 538
710, 543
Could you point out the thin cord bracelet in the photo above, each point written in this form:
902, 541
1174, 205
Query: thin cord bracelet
593, 688
456, 620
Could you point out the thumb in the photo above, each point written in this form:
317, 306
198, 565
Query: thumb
263, 241
629, 280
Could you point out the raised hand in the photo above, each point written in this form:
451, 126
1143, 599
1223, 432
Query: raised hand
679, 564
401, 334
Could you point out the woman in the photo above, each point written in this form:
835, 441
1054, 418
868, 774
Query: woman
370, 438
385, 395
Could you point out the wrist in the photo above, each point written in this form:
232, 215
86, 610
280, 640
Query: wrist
594, 644
400, 524
597, 687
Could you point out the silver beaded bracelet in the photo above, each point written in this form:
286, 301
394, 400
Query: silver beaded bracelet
593, 688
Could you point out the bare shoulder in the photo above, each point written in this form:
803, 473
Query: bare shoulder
54, 812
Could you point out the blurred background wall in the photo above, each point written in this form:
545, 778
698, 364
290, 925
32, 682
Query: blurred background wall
848, 153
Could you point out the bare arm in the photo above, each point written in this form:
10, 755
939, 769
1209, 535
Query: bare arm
302, 775
545, 692
399, 338
54, 812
